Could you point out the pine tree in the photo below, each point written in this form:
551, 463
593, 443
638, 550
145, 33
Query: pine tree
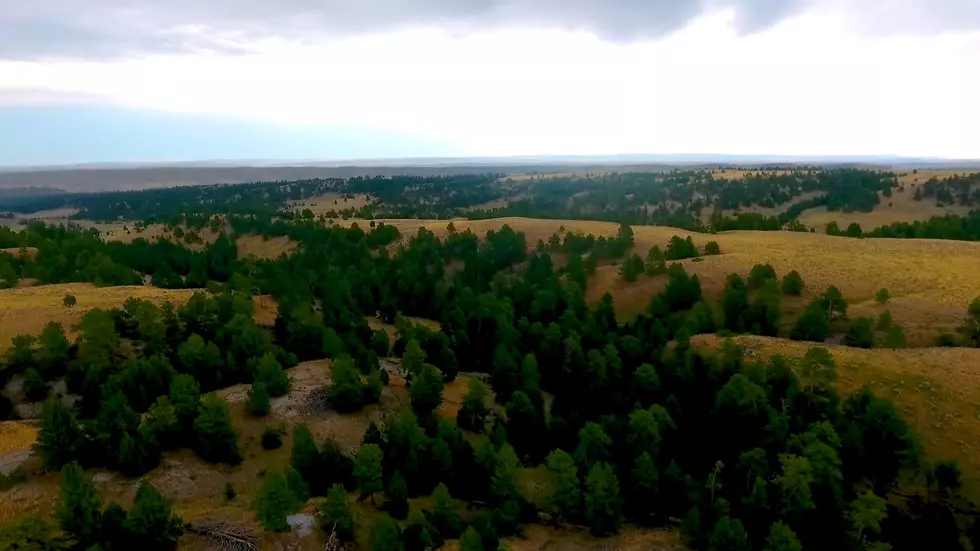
367, 470
593, 446
445, 517
346, 393
305, 458
567, 496
215, 439
396, 497
336, 515
274, 502
60, 436
793, 284
298, 486
470, 540
151, 521
413, 357
644, 481
504, 486
418, 534
782, 538
258, 399
525, 428
80, 509
602, 502
426, 391
35, 387
271, 373
52, 355
386, 536
473, 412
161, 422
185, 395
729, 535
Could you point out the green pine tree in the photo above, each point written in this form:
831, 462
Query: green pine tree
602, 502
396, 497
258, 399
367, 470
274, 502
151, 521
336, 515
79, 512
215, 439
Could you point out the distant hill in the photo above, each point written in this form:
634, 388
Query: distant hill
123, 176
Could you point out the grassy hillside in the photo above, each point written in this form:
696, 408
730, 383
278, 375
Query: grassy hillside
27, 309
936, 389
931, 281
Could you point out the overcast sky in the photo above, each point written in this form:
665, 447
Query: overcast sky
122, 80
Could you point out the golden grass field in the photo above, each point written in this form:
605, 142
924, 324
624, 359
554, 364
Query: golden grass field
332, 201
936, 389
16, 436
28, 309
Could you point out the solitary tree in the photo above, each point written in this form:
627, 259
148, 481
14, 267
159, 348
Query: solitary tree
882, 296
367, 470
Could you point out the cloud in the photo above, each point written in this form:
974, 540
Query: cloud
38, 29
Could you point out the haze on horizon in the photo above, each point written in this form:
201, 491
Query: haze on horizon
181, 80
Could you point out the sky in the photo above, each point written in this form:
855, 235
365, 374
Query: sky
181, 80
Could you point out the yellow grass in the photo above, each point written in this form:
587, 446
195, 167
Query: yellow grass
332, 201
28, 309
262, 247
16, 437
937, 390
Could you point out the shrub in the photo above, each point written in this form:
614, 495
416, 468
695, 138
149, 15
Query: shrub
882, 296
271, 439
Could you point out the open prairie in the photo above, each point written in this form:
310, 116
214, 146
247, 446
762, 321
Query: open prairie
931, 281
936, 389
28, 309
332, 201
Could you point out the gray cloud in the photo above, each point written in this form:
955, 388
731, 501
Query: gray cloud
36, 29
